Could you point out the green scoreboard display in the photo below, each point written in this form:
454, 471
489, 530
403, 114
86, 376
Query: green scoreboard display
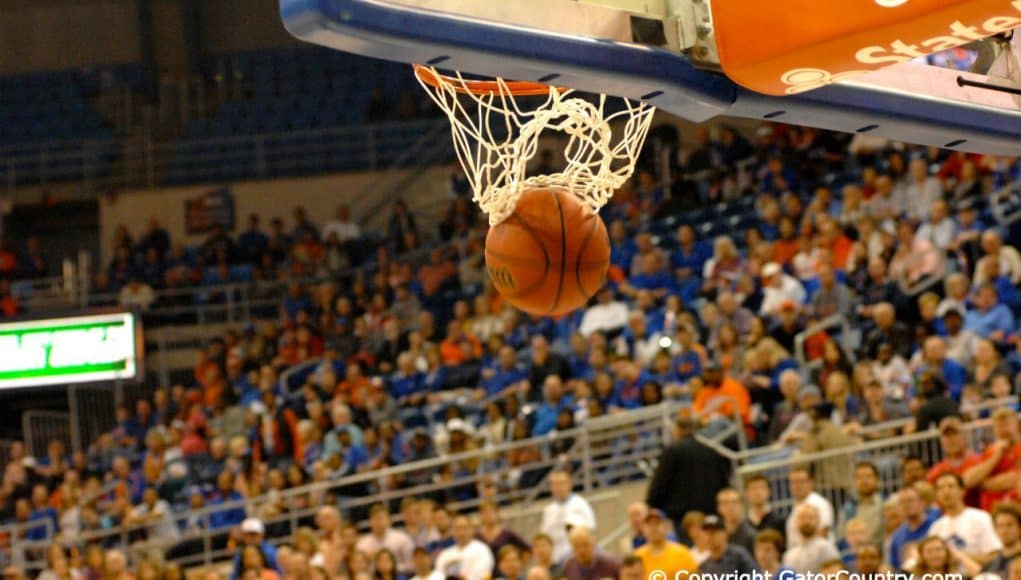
78, 349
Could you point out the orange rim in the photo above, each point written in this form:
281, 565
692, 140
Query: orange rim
470, 87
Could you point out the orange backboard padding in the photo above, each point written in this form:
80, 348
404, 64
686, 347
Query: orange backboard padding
783, 47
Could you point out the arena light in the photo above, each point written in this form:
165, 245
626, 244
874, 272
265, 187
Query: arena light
77, 349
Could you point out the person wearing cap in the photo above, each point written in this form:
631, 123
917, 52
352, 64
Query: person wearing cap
996, 472
660, 552
253, 534
565, 506
778, 288
812, 547
968, 529
468, 558
724, 557
957, 457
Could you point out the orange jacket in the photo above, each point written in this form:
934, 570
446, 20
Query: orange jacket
728, 388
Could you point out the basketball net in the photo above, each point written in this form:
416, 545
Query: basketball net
495, 136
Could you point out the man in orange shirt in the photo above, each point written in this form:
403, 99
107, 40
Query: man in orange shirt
661, 554
355, 386
459, 347
996, 474
957, 458
716, 386
834, 240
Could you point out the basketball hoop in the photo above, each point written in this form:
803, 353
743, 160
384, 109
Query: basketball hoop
496, 133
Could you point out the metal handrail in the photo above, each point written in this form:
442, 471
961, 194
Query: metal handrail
812, 329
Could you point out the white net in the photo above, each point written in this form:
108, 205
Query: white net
496, 134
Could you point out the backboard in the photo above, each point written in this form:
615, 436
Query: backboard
846, 66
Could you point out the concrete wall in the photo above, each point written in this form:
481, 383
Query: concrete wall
319, 195
237, 25
49, 34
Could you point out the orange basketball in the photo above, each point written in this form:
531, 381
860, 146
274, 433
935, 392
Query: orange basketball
550, 255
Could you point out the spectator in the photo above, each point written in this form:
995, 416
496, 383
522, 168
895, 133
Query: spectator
494, 533
832, 297
683, 457
957, 458
468, 558
382, 536
917, 522
544, 363
565, 507
136, 294
994, 249
156, 514
631, 568
1007, 521
424, 566
937, 557
935, 404
724, 558
768, 553
342, 226
761, 516
778, 288
252, 243
722, 395
990, 319
253, 538
995, 473
509, 564
586, 560
803, 491
812, 547
867, 503
228, 517
438, 273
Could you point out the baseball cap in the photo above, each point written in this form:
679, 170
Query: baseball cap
712, 522
252, 526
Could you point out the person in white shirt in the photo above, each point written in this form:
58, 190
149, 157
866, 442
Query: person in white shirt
812, 548
606, 315
803, 489
965, 528
940, 230
778, 288
993, 248
468, 558
136, 294
382, 535
424, 566
345, 229
566, 506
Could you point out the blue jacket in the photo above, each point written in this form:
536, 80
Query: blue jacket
905, 535
996, 318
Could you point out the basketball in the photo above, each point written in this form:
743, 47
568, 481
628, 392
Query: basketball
551, 255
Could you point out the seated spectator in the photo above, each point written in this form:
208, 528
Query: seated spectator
832, 297
555, 401
423, 568
383, 536
779, 288
865, 506
586, 559
768, 553
253, 546
802, 483
995, 472
543, 363
989, 318
724, 558
994, 249
438, 273
722, 395
915, 527
888, 329
1007, 522
731, 511
227, 517
468, 558
813, 547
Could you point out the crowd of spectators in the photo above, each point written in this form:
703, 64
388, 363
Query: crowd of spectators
408, 356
